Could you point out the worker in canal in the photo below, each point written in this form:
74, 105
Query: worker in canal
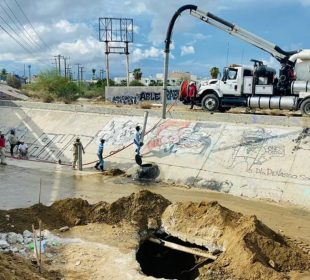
138, 144
76, 146
100, 164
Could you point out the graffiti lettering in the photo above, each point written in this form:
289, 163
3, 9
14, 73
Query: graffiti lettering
278, 173
172, 94
148, 96
125, 99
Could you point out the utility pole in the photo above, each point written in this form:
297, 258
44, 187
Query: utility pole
78, 73
56, 68
82, 71
29, 73
65, 65
57, 58
24, 70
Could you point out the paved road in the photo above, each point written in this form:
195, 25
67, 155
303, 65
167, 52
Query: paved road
20, 181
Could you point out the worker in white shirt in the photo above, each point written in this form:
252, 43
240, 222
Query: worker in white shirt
23, 150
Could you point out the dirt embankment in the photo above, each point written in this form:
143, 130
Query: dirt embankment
250, 250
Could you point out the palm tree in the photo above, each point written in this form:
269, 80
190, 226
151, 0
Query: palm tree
94, 72
214, 71
137, 74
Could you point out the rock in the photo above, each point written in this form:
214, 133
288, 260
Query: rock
11, 238
77, 263
3, 236
27, 234
14, 250
272, 264
4, 244
27, 240
20, 239
152, 223
23, 252
63, 229
7, 217
77, 222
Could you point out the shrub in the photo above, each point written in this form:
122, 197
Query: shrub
136, 83
145, 105
12, 81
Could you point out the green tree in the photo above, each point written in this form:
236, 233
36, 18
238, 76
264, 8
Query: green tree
152, 83
214, 71
137, 74
3, 74
123, 83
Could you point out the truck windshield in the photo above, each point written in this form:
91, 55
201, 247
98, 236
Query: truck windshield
232, 74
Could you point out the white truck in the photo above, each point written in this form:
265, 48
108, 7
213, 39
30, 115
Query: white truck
257, 86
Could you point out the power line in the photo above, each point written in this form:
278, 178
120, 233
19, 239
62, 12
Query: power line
22, 11
10, 27
29, 38
15, 39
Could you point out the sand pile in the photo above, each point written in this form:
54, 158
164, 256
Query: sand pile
251, 250
136, 208
15, 267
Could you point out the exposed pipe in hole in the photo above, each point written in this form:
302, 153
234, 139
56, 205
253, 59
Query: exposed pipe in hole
193, 251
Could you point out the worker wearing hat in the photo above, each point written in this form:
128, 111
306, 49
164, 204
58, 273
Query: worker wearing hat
76, 145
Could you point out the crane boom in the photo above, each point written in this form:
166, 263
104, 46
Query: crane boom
281, 55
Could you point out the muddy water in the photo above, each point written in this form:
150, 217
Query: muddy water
19, 187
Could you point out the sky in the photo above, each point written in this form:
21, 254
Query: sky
70, 28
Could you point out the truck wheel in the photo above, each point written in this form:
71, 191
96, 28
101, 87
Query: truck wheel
305, 107
210, 102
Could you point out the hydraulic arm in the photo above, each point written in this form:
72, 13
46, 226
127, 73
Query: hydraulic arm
281, 55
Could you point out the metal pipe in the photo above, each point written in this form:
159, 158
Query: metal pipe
167, 50
146, 113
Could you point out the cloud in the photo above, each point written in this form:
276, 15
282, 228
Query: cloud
185, 50
140, 54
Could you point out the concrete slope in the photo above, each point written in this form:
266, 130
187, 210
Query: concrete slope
251, 160
10, 93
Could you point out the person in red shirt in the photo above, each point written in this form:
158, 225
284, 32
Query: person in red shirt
192, 92
2, 149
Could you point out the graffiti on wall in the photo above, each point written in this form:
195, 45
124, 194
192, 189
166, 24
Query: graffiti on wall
179, 137
47, 146
255, 149
125, 99
303, 140
119, 132
153, 96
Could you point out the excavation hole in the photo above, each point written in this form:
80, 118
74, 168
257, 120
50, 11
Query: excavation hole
162, 262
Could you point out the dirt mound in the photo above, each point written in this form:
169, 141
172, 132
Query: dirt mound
114, 172
18, 220
136, 208
15, 267
251, 250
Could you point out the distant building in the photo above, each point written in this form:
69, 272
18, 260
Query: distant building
174, 78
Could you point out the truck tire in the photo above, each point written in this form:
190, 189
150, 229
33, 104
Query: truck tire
305, 107
210, 102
